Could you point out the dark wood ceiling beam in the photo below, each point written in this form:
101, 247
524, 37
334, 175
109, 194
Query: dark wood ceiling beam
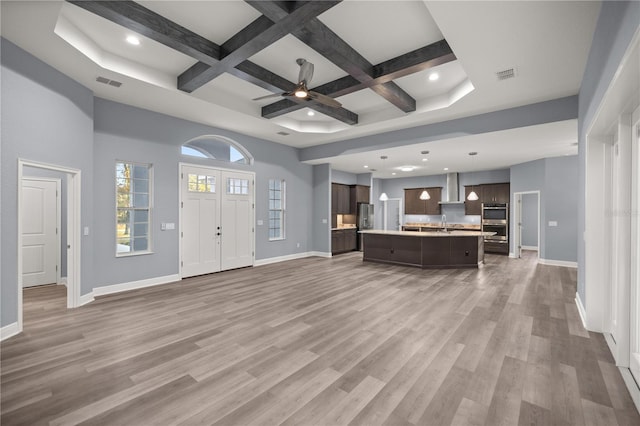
143, 21
251, 40
320, 38
417, 60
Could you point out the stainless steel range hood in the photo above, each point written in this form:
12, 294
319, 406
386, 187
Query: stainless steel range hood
451, 195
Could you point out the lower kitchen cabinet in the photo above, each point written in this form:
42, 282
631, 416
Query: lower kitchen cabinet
343, 240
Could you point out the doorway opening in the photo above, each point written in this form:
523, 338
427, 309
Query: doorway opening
72, 225
527, 223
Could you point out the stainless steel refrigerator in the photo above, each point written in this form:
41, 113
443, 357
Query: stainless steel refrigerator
365, 220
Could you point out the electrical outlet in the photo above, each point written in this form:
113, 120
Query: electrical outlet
298, 245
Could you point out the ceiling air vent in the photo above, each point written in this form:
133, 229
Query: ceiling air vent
104, 80
506, 74
284, 133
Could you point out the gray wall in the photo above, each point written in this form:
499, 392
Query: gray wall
52, 174
617, 24
321, 213
561, 206
530, 220
46, 117
557, 181
344, 178
124, 131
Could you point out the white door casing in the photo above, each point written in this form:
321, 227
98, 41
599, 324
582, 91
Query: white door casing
40, 241
518, 215
200, 217
634, 309
237, 220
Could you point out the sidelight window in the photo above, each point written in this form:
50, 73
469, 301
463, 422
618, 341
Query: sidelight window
276, 209
133, 208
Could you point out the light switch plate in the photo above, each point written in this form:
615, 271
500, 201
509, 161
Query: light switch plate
553, 223
324, 220
86, 230
170, 226
260, 222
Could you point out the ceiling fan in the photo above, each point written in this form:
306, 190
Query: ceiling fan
301, 90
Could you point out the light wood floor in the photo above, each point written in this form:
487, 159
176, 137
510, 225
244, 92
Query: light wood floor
318, 341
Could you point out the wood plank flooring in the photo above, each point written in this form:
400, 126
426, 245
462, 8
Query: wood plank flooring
318, 342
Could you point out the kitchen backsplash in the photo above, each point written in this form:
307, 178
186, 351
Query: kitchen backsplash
454, 213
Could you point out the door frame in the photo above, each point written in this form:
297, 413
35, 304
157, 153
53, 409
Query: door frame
58, 183
386, 212
517, 240
74, 212
182, 164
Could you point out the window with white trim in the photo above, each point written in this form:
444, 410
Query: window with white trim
133, 208
276, 209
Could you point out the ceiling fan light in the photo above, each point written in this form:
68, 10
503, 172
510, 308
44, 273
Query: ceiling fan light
384, 197
300, 93
472, 196
425, 195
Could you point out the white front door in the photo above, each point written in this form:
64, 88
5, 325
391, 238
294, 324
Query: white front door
39, 237
200, 227
237, 220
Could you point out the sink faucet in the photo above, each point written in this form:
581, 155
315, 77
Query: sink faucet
444, 222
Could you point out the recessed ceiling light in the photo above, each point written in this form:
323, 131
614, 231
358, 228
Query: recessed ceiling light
407, 168
394, 173
433, 76
311, 113
133, 40
446, 168
366, 167
425, 159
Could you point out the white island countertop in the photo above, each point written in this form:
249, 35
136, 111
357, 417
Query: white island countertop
429, 234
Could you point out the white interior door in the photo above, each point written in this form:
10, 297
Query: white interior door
39, 234
237, 220
393, 214
634, 346
200, 220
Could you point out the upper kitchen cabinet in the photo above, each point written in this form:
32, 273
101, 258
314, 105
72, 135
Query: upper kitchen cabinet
414, 205
358, 194
473, 207
495, 193
340, 199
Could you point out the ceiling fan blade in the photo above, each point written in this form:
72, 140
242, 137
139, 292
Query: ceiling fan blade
306, 71
323, 99
273, 95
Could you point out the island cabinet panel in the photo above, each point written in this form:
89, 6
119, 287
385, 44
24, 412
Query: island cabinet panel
443, 251
463, 251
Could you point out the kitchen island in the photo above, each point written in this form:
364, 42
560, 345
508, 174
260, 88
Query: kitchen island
452, 249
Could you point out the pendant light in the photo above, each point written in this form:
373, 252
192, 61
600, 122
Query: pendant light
383, 196
425, 195
472, 195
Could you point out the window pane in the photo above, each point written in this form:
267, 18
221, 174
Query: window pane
140, 172
141, 216
140, 200
133, 193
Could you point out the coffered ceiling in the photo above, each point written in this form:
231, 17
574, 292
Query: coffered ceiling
236, 51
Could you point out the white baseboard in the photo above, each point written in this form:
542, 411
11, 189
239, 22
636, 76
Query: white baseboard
9, 330
512, 255
133, 285
320, 254
294, 256
85, 298
63, 281
564, 263
632, 386
533, 248
581, 311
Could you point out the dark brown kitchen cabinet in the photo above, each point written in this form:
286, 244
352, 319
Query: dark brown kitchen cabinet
495, 193
414, 205
358, 194
340, 199
343, 240
473, 207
